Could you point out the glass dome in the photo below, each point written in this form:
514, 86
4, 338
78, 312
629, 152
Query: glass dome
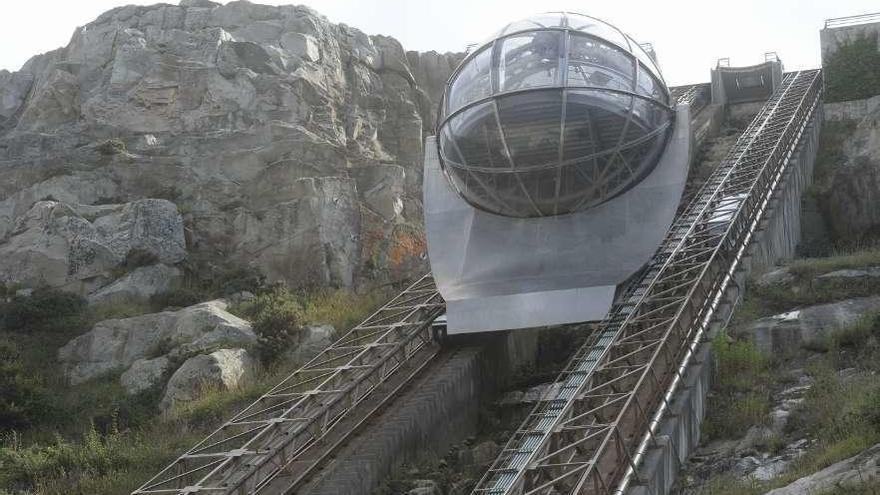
556, 114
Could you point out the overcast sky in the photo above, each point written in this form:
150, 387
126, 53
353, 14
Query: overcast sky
689, 35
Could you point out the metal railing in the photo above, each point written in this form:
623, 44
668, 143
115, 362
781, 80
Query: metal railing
589, 434
695, 95
264, 439
853, 20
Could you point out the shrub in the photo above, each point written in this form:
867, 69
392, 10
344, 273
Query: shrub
853, 71
276, 316
45, 308
23, 401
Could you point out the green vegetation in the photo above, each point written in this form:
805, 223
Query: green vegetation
45, 447
44, 309
23, 400
741, 384
840, 412
853, 71
806, 289
276, 316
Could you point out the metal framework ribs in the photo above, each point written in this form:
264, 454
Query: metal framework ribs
695, 95
590, 433
260, 442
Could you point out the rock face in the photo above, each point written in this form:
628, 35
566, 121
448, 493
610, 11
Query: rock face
854, 195
293, 145
144, 374
861, 469
76, 246
789, 331
119, 344
139, 285
224, 369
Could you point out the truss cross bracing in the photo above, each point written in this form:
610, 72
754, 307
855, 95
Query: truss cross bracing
590, 433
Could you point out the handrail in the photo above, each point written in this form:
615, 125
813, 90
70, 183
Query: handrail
852, 20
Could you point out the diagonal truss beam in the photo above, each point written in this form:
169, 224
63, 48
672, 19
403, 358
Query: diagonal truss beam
265, 437
589, 436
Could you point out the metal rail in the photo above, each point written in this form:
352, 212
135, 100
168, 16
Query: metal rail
589, 434
695, 95
266, 437
853, 20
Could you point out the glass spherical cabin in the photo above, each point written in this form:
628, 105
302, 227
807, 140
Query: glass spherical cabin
558, 113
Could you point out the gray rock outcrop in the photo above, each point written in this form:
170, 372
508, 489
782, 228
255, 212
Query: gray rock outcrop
854, 193
139, 285
310, 342
293, 145
860, 469
144, 374
75, 247
223, 369
117, 344
789, 331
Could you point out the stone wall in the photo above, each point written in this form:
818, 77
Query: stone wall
851, 110
831, 38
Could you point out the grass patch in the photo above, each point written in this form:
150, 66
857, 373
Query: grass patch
94, 463
742, 384
806, 289
340, 307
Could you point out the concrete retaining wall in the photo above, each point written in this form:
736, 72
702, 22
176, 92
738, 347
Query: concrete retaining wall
440, 410
776, 239
851, 110
831, 38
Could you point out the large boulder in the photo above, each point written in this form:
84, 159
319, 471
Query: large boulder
144, 374
117, 344
139, 285
223, 369
75, 247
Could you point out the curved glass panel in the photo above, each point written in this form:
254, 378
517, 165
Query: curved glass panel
517, 26
529, 60
531, 126
592, 63
597, 28
473, 81
558, 131
650, 86
550, 19
476, 136
644, 58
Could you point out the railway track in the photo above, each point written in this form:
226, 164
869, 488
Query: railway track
589, 436
278, 443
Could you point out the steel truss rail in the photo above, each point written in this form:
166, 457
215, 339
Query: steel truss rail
590, 433
264, 443
261, 441
695, 95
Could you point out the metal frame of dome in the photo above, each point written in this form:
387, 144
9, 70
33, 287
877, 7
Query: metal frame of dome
593, 29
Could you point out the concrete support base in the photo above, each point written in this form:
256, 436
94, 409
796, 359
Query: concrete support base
439, 410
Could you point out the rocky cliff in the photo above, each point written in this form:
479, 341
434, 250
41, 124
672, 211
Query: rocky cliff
283, 142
